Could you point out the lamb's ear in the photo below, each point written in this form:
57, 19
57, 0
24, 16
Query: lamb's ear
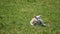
34, 16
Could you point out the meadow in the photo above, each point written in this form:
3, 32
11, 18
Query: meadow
15, 16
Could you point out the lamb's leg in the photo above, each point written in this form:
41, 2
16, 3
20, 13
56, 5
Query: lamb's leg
40, 23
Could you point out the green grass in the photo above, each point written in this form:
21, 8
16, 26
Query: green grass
15, 16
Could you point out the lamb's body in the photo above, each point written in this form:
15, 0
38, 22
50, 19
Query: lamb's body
35, 20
